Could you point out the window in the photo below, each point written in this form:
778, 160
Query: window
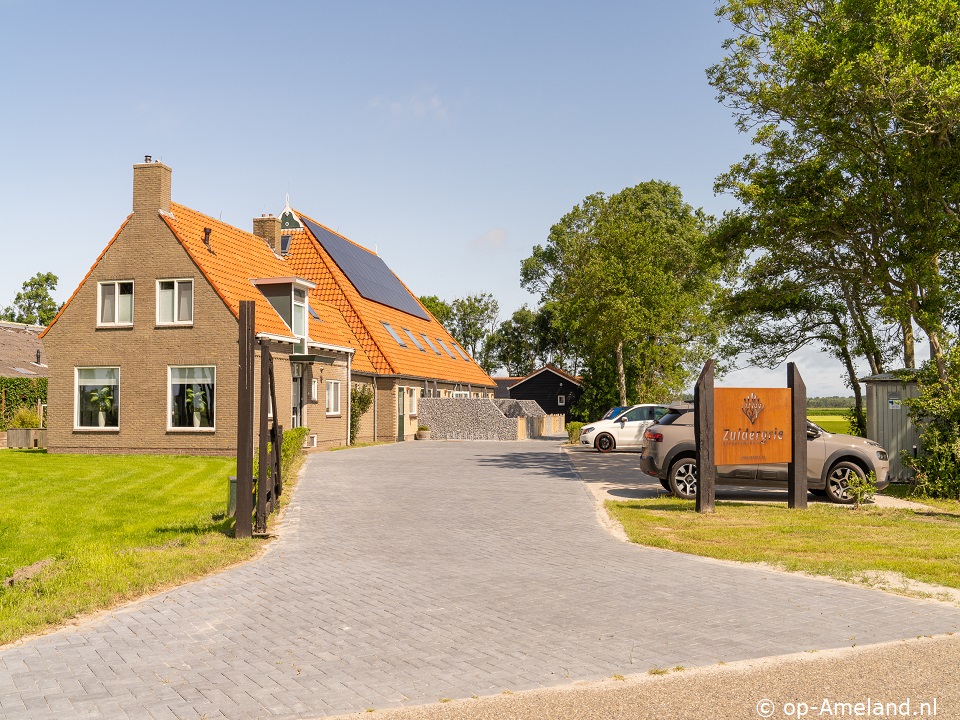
432, 346
640, 414
444, 346
561, 400
415, 341
461, 353
412, 395
98, 398
333, 397
299, 312
192, 398
174, 302
115, 303
461, 394
393, 334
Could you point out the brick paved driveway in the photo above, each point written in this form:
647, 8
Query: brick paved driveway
413, 572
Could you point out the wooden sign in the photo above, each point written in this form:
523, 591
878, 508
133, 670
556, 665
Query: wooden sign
752, 426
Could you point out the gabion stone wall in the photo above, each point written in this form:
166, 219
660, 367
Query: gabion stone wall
465, 419
531, 408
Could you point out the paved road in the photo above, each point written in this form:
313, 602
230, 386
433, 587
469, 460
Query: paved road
413, 572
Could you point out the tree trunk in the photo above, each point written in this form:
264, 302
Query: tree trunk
909, 357
621, 373
936, 354
857, 393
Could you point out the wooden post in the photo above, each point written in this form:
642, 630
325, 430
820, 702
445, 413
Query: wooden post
263, 474
277, 433
244, 524
703, 432
797, 469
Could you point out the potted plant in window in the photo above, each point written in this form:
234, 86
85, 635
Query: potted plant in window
197, 400
423, 433
103, 399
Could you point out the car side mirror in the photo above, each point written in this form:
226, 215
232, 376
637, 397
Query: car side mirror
812, 434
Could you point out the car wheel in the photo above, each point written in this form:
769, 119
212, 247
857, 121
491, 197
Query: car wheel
605, 443
839, 480
666, 485
683, 478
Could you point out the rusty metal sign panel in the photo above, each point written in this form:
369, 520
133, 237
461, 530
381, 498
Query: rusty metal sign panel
752, 425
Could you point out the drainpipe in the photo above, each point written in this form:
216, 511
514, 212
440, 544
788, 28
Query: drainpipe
349, 394
376, 406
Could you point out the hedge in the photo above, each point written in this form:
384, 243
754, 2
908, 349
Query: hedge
20, 392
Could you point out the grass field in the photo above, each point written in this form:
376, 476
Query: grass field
113, 527
823, 540
833, 420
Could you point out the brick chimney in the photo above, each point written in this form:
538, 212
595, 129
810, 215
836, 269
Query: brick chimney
151, 187
268, 228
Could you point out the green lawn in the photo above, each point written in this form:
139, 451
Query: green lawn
833, 420
823, 540
116, 527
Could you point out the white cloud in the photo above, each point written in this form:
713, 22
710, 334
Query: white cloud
493, 239
427, 104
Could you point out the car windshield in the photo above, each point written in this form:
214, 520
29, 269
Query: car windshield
613, 412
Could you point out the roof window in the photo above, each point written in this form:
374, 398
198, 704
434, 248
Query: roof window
414, 339
432, 346
393, 334
461, 353
444, 346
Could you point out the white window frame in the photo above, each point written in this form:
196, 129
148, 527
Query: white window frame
176, 302
412, 400
561, 400
171, 428
76, 399
116, 306
461, 394
305, 304
329, 384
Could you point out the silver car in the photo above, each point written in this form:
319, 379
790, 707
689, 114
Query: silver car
669, 454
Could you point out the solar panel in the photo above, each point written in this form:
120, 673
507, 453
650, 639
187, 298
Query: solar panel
368, 273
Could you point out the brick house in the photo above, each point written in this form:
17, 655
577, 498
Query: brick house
143, 356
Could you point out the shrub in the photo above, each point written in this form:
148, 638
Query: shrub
422, 428
361, 398
20, 392
25, 417
862, 489
573, 431
936, 415
290, 449
857, 420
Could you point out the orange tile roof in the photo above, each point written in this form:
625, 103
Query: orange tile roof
234, 258
309, 260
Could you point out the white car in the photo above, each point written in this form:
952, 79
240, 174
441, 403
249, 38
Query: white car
625, 430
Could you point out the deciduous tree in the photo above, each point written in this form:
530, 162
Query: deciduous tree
34, 304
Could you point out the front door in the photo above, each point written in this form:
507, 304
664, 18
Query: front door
296, 419
401, 412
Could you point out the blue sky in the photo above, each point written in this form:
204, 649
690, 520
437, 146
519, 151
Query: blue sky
450, 136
